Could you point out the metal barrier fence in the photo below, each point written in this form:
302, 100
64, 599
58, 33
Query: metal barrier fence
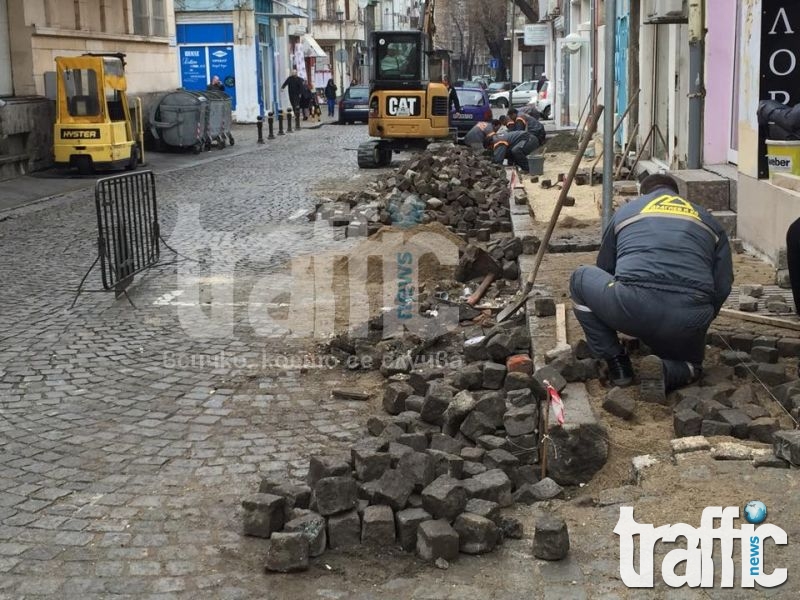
127, 227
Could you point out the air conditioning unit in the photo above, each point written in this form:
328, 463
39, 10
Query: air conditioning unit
666, 11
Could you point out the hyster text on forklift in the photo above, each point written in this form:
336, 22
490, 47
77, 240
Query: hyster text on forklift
94, 128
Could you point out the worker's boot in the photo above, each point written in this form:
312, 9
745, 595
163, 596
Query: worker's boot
620, 370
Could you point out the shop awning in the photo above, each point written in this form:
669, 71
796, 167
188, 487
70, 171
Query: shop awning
312, 48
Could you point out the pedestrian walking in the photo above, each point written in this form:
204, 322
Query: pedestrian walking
514, 146
663, 271
295, 85
330, 96
306, 100
540, 83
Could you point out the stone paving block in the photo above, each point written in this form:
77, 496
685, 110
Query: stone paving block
377, 527
552, 375
287, 553
296, 496
407, 522
344, 529
463, 403
437, 399
263, 514
786, 445
764, 355
493, 405
444, 498
710, 427
335, 494
550, 538
520, 398
620, 403
477, 424
437, 539
739, 422
476, 534
484, 508
493, 375
469, 377
312, 526
493, 485
522, 420
445, 443
772, 374
370, 464
394, 397
762, 429
580, 446
501, 459
789, 347
472, 454
419, 468
393, 488
491, 442
326, 466
415, 441
446, 463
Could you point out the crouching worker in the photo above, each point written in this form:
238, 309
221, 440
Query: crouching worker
479, 136
514, 146
663, 271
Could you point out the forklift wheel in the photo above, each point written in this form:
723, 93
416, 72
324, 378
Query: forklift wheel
197, 147
230, 139
134, 160
221, 142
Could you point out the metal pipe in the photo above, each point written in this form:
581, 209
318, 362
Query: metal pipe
289, 117
511, 62
608, 118
697, 91
593, 51
260, 128
271, 125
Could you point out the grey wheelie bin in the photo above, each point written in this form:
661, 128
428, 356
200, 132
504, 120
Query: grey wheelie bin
219, 118
180, 120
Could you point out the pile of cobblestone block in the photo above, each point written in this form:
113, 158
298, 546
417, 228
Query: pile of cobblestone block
447, 184
726, 401
751, 297
432, 475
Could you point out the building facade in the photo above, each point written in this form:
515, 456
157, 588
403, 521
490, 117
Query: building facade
34, 32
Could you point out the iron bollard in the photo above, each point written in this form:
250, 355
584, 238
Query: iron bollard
280, 122
288, 120
271, 125
260, 128
297, 120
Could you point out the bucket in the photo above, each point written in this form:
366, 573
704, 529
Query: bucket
536, 165
783, 157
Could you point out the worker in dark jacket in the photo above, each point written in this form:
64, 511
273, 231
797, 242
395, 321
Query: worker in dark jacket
477, 137
663, 271
520, 121
793, 260
515, 146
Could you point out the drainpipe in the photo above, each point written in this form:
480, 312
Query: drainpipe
697, 91
608, 117
592, 53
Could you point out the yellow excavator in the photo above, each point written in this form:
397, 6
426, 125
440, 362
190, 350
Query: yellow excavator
94, 128
409, 107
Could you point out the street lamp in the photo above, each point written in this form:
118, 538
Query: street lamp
340, 18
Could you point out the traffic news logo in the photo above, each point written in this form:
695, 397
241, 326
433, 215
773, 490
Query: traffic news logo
698, 551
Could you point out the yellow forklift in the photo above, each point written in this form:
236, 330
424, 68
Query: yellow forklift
409, 106
94, 128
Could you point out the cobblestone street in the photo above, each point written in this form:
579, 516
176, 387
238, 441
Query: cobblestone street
129, 437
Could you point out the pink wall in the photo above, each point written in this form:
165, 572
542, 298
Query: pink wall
720, 50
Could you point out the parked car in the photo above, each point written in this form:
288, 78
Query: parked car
543, 101
354, 105
479, 85
500, 86
522, 94
474, 108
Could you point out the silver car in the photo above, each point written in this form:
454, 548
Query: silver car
522, 94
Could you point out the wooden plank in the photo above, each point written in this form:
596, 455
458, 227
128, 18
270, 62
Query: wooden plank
561, 325
762, 319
